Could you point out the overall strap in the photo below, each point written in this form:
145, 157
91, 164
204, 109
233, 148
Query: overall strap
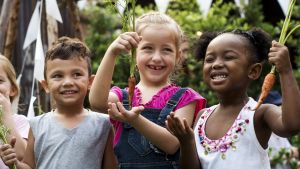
125, 99
171, 104
126, 105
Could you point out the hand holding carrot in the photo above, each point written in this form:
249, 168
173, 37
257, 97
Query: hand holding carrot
279, 56
118, 112
124, 43
8, 153
180, 129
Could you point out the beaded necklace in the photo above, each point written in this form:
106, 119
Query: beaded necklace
228, 140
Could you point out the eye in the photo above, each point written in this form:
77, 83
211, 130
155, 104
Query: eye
209, 59
77, 74
147, 48
168, 50
229, 57
56, 76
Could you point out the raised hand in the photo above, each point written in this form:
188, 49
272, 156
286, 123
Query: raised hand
118, 112
180, 129
124, 43
279, 56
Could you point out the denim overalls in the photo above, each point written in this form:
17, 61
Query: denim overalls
134, 151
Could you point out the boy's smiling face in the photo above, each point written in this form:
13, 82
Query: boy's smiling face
67, 81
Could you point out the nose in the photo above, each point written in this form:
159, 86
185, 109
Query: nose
156, 56
67, 82
218, 63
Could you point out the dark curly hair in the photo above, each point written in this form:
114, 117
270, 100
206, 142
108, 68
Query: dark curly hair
67, 48
259, 42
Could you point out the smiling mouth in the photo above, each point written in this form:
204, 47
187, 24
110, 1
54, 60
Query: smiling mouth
219, 77
156, 67
68, 92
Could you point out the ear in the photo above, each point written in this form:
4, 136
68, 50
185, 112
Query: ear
45, 85
13, 92
255, 71
91, 79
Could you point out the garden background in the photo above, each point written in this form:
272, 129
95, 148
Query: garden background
98, 25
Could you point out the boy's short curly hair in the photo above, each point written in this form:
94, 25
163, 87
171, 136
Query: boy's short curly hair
259, 42
67, 48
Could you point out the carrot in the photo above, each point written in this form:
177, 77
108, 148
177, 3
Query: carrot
266, 87
131, 86
284, 35
128, 24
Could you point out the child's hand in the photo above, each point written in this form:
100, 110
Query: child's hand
279, 56
8, 153
183, 132
5, 103
118, 112
124, 43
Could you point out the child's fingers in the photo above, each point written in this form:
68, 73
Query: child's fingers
174, 125
170, 123
276, 44
135, 36
113, 111
120, 107
138, 109
187, 127
179, 128
167, 126
125, 45
13, 142
4, 147
131, 39
8, 155
10, 159
172, 114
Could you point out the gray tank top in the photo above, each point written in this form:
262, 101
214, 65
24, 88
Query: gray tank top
82, 147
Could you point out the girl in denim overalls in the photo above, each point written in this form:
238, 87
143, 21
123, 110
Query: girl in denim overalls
141, 140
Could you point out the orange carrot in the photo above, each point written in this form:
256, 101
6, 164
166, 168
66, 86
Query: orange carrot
266, 87
131, 86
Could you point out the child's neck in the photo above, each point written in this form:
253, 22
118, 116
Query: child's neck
148, 91
142, 85
69, 112
233, 99
70, 119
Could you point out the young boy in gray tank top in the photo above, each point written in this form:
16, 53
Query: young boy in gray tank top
70, 136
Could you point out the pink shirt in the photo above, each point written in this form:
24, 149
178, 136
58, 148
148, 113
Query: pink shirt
22, 126
159, 101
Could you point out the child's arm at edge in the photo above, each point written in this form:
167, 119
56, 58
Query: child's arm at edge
28, 160
109, 160
99, 94
286, 122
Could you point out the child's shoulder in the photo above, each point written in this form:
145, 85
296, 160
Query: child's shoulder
19, 117
40, 117
99, 117
173, 88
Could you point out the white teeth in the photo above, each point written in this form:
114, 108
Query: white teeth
219, 77
156, 67
68, 92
